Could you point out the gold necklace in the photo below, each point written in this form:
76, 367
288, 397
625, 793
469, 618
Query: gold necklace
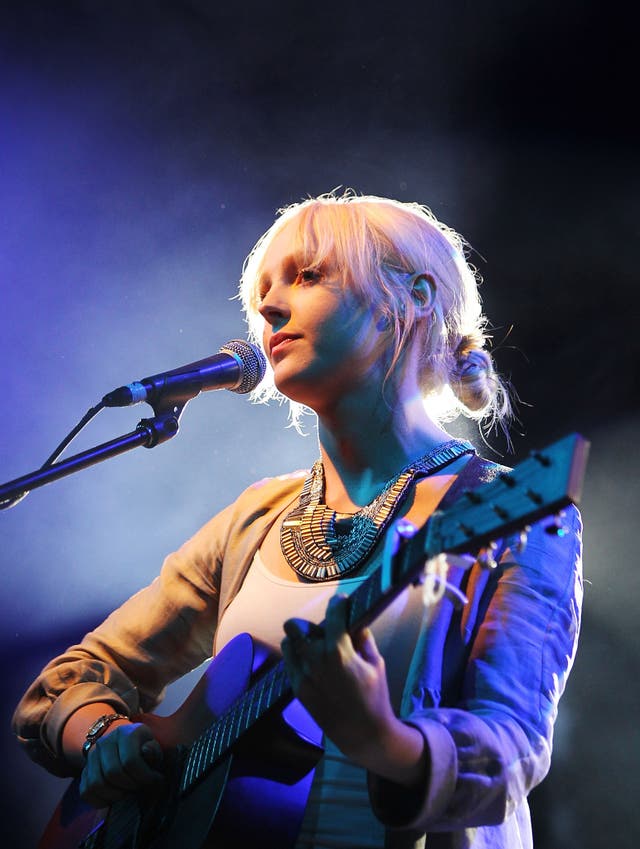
321, 544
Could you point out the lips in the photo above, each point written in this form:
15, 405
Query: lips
279, 341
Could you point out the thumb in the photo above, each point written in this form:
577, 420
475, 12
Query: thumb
152, 753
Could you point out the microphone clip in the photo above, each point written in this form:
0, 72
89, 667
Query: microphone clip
164, 424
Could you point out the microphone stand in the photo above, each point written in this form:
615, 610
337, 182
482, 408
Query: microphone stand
149, 433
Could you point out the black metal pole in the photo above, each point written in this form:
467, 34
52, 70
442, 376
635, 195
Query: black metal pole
149, 433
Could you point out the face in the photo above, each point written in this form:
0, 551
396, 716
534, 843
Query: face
321, 340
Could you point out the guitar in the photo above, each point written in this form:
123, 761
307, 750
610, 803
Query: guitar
241, 740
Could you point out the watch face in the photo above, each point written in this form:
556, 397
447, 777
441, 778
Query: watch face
100, 725
97, 726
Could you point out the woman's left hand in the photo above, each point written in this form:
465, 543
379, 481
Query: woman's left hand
342, 682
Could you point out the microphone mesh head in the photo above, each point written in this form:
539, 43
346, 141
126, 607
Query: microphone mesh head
251, 361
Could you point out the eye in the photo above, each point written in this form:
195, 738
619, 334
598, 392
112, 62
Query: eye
262, 293
309, 275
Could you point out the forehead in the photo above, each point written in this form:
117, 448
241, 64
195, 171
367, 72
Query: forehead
295, 243
286, 241
282, 254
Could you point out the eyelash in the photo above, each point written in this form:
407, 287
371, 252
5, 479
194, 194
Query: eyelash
305, 275
308, 275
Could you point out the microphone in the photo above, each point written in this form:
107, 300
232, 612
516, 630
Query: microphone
237, 366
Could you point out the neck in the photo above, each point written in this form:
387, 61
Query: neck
364, 445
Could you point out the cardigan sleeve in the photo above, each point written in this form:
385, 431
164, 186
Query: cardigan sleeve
492, 744
156, 636
159, 634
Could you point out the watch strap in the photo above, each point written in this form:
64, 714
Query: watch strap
98, 728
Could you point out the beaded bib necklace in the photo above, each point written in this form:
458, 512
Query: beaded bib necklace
321, 544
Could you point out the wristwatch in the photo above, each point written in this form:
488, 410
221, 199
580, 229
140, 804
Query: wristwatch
98, 728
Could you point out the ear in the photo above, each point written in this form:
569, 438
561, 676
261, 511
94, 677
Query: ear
423, 292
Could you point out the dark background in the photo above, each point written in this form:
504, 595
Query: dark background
143, 149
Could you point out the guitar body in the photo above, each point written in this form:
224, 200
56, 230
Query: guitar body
256, 793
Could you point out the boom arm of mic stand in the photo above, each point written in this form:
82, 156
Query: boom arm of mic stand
149, 433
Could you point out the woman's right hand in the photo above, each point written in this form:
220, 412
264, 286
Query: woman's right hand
125, 759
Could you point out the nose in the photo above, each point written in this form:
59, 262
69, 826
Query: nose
274, 309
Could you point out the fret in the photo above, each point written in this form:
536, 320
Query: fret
231, 722
252, 707
374, 592
216, 748
197, 761
261, 702
364, 600
225, 735
205, 751
200, 759
237, 721
357, 604
282, 680
209, 755
186, 779
271, 678
188, 770
196, 753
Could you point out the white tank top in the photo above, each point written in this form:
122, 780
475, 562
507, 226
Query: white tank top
338, 812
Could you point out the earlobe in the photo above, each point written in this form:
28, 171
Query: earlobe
423, 292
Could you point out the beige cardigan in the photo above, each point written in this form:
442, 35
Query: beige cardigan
483, 684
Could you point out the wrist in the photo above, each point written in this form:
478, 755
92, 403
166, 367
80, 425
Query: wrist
74, 732
98, 728
400, 754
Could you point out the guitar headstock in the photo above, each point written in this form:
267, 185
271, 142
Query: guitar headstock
541, 485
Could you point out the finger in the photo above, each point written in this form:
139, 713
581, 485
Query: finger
136, 752
336, 621
302, 630
153, 754
365, 644
95, 787
296, 667
116, 765
93, 793
295, 646
121, 752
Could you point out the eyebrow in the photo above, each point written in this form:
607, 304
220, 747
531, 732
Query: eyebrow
290, 266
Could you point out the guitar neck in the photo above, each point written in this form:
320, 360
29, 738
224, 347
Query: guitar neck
272, 691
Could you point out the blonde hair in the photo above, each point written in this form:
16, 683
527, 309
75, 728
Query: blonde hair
381, 246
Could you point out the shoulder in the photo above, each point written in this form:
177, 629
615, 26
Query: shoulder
244, 519
475, 472
484, 471
275, 487
284, 481
266, 495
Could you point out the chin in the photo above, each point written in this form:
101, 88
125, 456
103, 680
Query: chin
297, 387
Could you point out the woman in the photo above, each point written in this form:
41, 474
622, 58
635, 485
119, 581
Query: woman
441, 724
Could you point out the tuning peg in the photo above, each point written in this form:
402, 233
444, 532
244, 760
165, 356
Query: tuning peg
557, 527
522, 539
485, 556
435, 585
399, 531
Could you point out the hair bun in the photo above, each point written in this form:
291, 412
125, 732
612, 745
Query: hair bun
473, 379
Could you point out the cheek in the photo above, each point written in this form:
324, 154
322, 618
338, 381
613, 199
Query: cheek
345, 327
361, 341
